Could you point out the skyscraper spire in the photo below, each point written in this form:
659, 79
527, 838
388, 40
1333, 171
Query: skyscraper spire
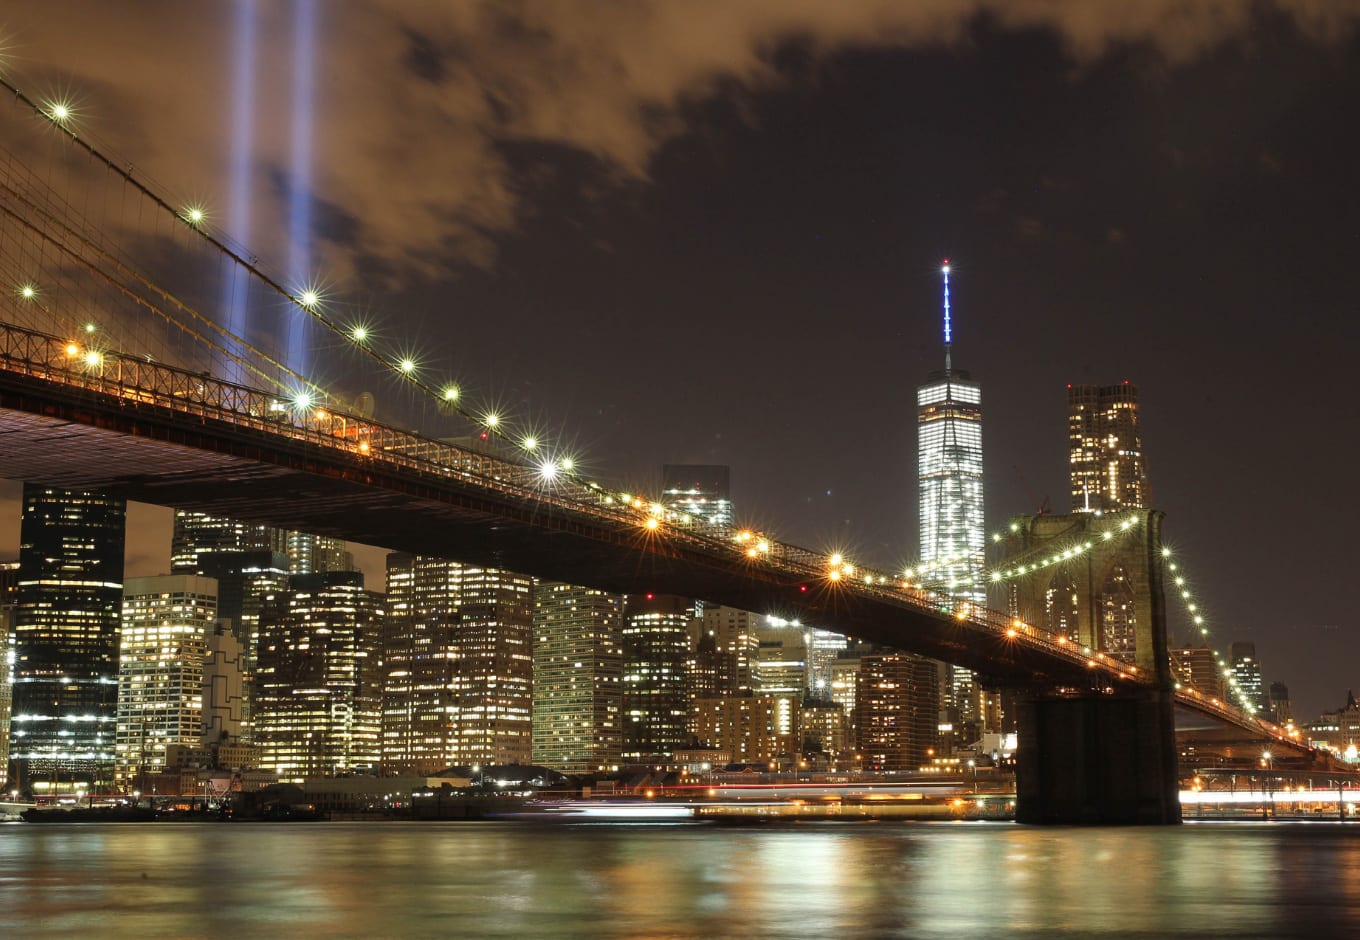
948, 328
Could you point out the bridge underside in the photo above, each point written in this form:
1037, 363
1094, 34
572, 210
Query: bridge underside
157, 455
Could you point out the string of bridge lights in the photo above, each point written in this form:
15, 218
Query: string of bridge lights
1193, 612
1008, 570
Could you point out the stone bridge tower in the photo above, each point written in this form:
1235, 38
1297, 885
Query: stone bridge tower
1098, 755
1070, 596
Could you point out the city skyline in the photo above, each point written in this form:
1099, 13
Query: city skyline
1165, 203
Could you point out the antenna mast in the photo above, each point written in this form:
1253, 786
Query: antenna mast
948, 328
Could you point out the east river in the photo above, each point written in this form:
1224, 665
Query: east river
826, 880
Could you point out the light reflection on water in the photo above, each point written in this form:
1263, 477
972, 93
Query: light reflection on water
959, 880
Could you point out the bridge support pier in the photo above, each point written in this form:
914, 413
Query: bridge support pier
1098, 759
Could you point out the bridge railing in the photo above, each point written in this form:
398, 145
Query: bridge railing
140, 381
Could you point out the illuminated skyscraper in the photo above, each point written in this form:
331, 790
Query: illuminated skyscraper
655, 649
736, 646
782, 668
1246, 670
318, 674
578, 678
702, 491
315, 554
949, 486
458, 665
66, 638
197, 535
949, 474
1106, 451
1196, 667
897, 704
755, 728
166, 622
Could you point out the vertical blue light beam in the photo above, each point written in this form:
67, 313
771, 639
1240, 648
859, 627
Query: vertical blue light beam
300, 184
234, 287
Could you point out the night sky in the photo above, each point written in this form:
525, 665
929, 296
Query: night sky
711, 233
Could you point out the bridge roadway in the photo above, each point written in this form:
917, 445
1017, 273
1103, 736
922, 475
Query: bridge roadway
80, 419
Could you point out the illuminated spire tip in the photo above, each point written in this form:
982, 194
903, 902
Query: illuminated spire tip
948, 325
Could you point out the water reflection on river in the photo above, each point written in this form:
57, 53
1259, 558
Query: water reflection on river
955, 880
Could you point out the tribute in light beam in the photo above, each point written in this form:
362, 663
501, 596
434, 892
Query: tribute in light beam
238, 222
300, 176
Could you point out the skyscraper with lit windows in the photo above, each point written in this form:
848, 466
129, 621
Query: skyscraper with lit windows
578, 678
949, 474
656, 647
166, 621
66, 619
318, 677
198, 535
897, 704
1246, 670
1105, 449
702, 491
949, 487
457, 664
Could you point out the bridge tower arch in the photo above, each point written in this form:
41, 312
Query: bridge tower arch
1133, 555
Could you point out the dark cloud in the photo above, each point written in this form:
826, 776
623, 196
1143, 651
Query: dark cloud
413, 98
